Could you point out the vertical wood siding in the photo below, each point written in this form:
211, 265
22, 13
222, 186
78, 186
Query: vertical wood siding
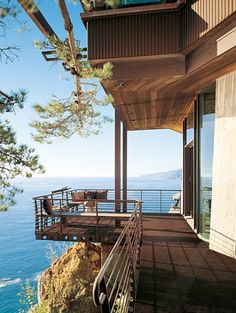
200, 16
132, 36
157, 33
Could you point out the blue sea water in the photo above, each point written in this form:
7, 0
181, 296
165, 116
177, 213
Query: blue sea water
21, 256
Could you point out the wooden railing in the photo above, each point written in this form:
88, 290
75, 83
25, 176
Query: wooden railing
114, 287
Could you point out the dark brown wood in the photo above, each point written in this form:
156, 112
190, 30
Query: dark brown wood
203, 16
188, 180
117, 159
124, 176
136, 35
179, 273
83, 228
37, 18
133, 10
129, 70
155, 81
184, 163
196, 193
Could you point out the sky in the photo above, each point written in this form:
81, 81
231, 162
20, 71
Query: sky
149, 151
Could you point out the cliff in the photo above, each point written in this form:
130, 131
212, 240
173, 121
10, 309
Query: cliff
175, 174
66, 287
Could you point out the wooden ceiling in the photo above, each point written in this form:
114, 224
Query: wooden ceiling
157, 93
145, 105
137, 87
162, 60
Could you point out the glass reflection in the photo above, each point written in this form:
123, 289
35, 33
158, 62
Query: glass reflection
189, 126
206, 140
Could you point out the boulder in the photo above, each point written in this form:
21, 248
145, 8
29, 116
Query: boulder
67, 285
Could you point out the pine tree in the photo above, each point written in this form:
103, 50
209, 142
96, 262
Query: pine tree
15, 159
78, 113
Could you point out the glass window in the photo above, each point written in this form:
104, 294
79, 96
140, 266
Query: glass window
206, 144
190, 126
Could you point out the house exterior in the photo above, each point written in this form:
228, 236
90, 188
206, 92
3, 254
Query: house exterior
175, 68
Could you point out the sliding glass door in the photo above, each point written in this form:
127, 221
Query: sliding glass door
206, 144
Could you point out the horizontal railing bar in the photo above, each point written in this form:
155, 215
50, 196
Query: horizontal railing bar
113, 270
122, 268
110, 189
119, 266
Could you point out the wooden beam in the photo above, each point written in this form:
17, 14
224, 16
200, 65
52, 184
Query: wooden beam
117, 161
124, 176
184, 183
37, 17
216, 45
157, 67
73, 49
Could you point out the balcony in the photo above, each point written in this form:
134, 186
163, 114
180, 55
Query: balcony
96, 220
95, 5
176, 270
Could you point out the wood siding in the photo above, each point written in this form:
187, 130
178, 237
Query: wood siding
199, 17
133, 36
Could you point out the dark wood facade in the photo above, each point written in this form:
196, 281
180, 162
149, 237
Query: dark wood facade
163, 55
133, 36
200, 17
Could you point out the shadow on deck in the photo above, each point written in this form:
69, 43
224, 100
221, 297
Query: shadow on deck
179, 273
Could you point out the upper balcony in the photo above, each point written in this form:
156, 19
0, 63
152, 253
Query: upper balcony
137, 28
163, 54
94, 5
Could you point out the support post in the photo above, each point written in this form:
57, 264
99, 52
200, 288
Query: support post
184, 169
124, 167
117, 163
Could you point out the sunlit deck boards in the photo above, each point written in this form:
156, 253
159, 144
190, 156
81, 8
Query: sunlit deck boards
179, 273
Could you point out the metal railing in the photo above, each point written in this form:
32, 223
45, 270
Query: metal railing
154, 200
114, 287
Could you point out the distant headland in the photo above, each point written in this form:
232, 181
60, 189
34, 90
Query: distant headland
174, 174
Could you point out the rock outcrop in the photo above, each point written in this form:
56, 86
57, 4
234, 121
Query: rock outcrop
67, 285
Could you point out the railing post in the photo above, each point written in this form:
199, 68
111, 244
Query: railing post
41, 216
131, 258
36, 216
160, 201
117, 162
61, 222
124, 195
97, 221
103, 299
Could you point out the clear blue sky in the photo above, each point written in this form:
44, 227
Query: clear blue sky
148, 151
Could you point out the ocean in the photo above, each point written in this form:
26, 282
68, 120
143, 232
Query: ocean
22, 257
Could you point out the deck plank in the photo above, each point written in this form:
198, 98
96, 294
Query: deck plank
179, 273
83, 228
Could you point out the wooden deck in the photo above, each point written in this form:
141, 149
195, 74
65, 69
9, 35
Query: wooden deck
83, 228
179, 273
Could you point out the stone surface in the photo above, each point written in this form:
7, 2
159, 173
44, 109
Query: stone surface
223, 212
67, 285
